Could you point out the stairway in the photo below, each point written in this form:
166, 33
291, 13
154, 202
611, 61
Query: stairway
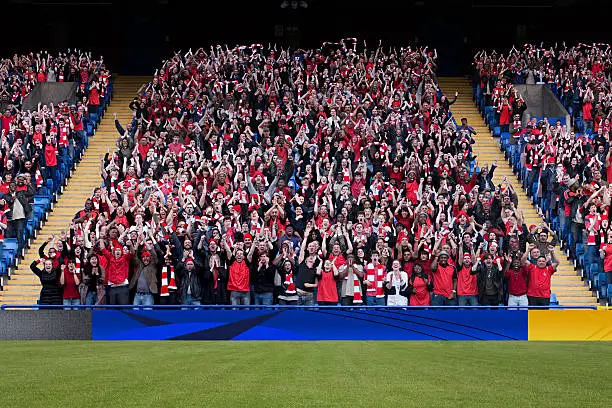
566, 283
24, 286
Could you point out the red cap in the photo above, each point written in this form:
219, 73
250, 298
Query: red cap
190, 259
248, 236
237, 208
146, 253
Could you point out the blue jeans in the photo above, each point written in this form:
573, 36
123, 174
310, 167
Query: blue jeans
306, 300
240, 298
145, 299
375, 301
71, 302
468, 300
191, 301
439, 300
17, 226
264, 299
91, 298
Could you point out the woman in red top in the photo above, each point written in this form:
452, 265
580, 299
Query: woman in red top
70, 281
419, 286
505, 113
327, 294
50, 163
94, 97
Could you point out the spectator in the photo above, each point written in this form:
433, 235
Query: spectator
539, 275
50, 294
327, 293
397, 285
93, 282
190, 282
18, 200
117, 269
70, 280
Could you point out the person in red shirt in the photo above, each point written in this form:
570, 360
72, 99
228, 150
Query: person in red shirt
239, 276
445, 281
539, 275
327, 294
467, 283
420, 285
70, 280
118, 265
516, 276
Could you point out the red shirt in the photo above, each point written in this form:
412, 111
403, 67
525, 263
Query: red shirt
326, 290
467, 284
539, 281
117, 268
443, 280
50, 155
421, 296
71, 291
517, 281
239, 277
607, 262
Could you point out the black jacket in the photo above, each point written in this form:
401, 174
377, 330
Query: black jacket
24, 198
194, 280
497, 277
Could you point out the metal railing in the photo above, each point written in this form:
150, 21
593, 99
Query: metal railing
281, 307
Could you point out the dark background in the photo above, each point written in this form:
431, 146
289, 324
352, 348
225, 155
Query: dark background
134, 35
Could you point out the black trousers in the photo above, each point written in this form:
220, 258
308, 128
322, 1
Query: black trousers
538, 301
489, 300
347, 301
119, 295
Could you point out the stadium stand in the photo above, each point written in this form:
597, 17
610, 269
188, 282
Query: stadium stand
42, 143
565, 167
264, 175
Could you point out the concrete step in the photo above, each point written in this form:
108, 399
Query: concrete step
24, 286
570, 286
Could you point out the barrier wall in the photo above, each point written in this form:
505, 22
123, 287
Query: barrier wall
50, 92
314, 323
541, 102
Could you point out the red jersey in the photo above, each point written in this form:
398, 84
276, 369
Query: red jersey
443, 280
326, 290
467, 284
239, 277
539, 281
517, 281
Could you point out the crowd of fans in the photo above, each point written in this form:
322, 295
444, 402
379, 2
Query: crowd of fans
263, 175
565, 168
36, 143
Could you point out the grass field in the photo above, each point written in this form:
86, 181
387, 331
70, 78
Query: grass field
304, 374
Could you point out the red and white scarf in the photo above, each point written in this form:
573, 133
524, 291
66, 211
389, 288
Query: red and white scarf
375, 275
289, 284
164, 282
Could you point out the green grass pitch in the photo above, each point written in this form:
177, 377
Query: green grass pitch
304, 374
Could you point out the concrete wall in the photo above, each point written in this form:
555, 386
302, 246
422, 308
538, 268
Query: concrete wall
50, 92
541, 102
45, 325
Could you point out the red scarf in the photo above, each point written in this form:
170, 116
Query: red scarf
290, 286
376, 276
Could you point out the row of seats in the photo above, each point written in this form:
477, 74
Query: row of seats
595, 277
46, 195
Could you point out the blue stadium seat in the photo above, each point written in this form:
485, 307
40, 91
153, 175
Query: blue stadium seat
553, 300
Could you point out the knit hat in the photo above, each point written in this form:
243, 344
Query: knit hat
146, 254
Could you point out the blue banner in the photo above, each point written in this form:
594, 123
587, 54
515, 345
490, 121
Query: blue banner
310, 324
